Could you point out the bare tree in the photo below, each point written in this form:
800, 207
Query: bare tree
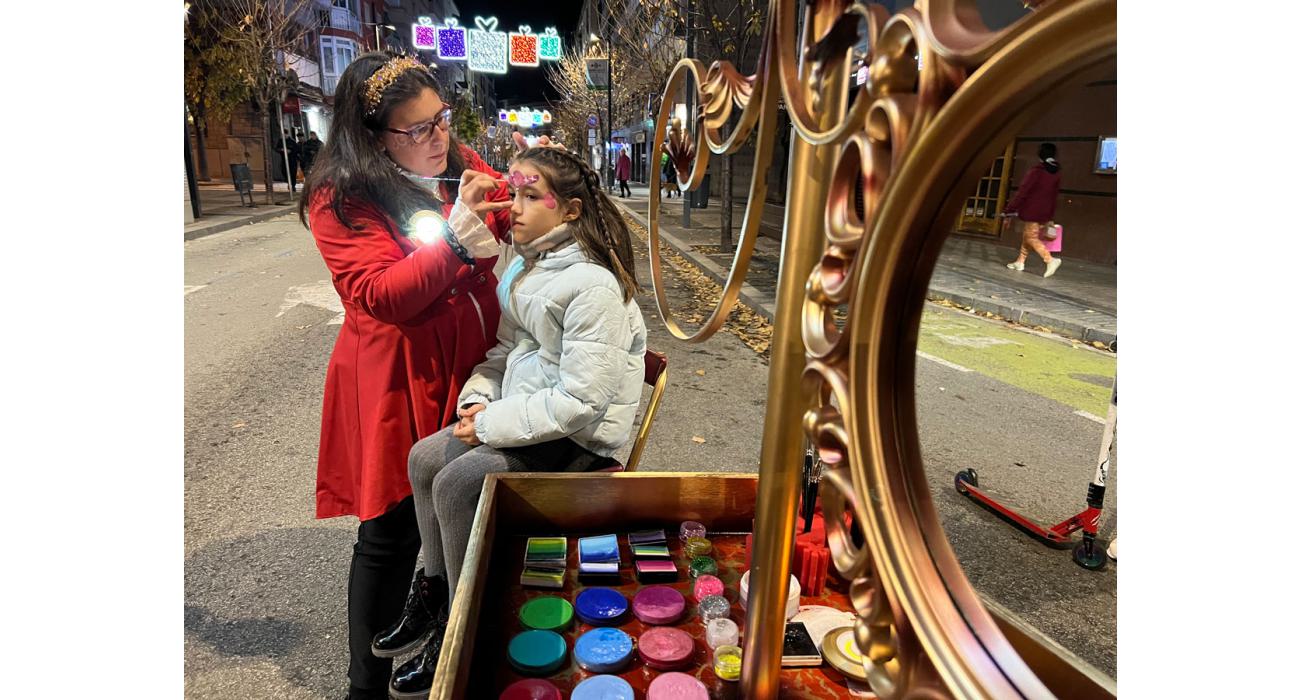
259, 33
644, 53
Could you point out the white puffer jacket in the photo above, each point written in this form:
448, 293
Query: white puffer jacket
569, 359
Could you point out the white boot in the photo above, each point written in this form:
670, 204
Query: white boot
1110, 551
1051, 267
1017, 266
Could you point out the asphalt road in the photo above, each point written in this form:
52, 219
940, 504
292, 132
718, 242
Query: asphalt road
265, 581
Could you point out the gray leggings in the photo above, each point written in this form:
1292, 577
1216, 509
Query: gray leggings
447, 476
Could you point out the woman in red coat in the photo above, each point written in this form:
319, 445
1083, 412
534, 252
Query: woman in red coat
415, 276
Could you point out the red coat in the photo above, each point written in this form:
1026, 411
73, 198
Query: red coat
411, 335
623, 170
1036, 199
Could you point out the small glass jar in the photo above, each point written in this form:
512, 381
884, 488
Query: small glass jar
703, 566
721, 632
714, 607
697, 547
726, 662
690, 529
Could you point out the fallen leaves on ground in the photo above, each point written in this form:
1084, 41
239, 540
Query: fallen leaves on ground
698, 440
752, 330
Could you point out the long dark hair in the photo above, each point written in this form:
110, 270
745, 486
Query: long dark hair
600, 229
351, 162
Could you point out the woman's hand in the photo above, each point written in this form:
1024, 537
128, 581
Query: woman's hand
474, 188
521, 143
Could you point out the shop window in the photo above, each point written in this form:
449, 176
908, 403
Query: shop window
979, 214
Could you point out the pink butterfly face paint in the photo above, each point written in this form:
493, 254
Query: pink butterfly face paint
549, 200
518, 179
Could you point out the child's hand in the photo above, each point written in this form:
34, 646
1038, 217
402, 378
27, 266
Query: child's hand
464, 430
469, 410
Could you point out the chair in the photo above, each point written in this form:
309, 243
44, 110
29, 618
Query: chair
656, 375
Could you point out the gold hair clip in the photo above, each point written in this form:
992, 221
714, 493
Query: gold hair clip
382, 78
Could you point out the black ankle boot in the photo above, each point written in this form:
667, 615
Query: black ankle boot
428, 596
414, 678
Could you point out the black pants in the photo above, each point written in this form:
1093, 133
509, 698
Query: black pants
623, 189
383, 561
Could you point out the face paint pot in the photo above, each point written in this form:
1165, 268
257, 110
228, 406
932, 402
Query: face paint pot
600, 607
603, 650
707, 585
666, 648
603, 688
547, 612
721, 632
532, 689
676, 686
537, 652
714, 607
658, 605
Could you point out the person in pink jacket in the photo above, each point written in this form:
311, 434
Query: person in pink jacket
623, 172
1035, 204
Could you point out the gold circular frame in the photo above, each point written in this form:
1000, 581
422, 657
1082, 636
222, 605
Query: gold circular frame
942, 91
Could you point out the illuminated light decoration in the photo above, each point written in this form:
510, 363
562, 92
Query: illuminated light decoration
451, 41
423, 34
525, 116
488, 48
548, 46
523, 47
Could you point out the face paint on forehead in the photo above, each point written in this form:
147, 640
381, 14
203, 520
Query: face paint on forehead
518, 179
549, 200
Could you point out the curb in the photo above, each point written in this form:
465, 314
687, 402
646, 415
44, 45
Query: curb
749, 295
1025, 317
754, 299
219, 226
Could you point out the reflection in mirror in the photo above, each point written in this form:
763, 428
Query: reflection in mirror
1016, 368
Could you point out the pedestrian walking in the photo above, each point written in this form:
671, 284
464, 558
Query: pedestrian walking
560, 389
309, 148
667, 176
1035, 204
420, 312
622, 172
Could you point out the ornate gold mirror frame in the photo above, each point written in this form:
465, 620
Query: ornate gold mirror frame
943, 94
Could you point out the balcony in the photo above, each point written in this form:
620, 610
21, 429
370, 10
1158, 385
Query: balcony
308, 70
328, 84
343, 18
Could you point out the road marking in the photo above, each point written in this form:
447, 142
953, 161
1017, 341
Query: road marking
976, 341
191, 288
1089, 416
317, 294
945, 363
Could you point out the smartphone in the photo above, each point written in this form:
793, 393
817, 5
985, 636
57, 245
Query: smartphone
799, 648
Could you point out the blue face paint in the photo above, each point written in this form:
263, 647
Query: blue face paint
600, 606
603, 688
603, 650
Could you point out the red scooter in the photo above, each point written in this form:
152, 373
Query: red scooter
1088, 553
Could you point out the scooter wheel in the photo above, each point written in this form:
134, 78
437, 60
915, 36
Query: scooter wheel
1094, 562
966, 476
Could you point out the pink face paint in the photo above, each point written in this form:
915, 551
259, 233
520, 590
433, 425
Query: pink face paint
518, 179
549, 200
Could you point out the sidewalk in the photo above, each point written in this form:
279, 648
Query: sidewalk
1077, 302
222, 210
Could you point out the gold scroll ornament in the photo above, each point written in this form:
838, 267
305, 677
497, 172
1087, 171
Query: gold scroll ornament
942, 92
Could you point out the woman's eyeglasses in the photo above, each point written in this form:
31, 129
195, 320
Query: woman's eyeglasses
420, 133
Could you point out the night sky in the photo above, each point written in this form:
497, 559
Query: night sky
526, 86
